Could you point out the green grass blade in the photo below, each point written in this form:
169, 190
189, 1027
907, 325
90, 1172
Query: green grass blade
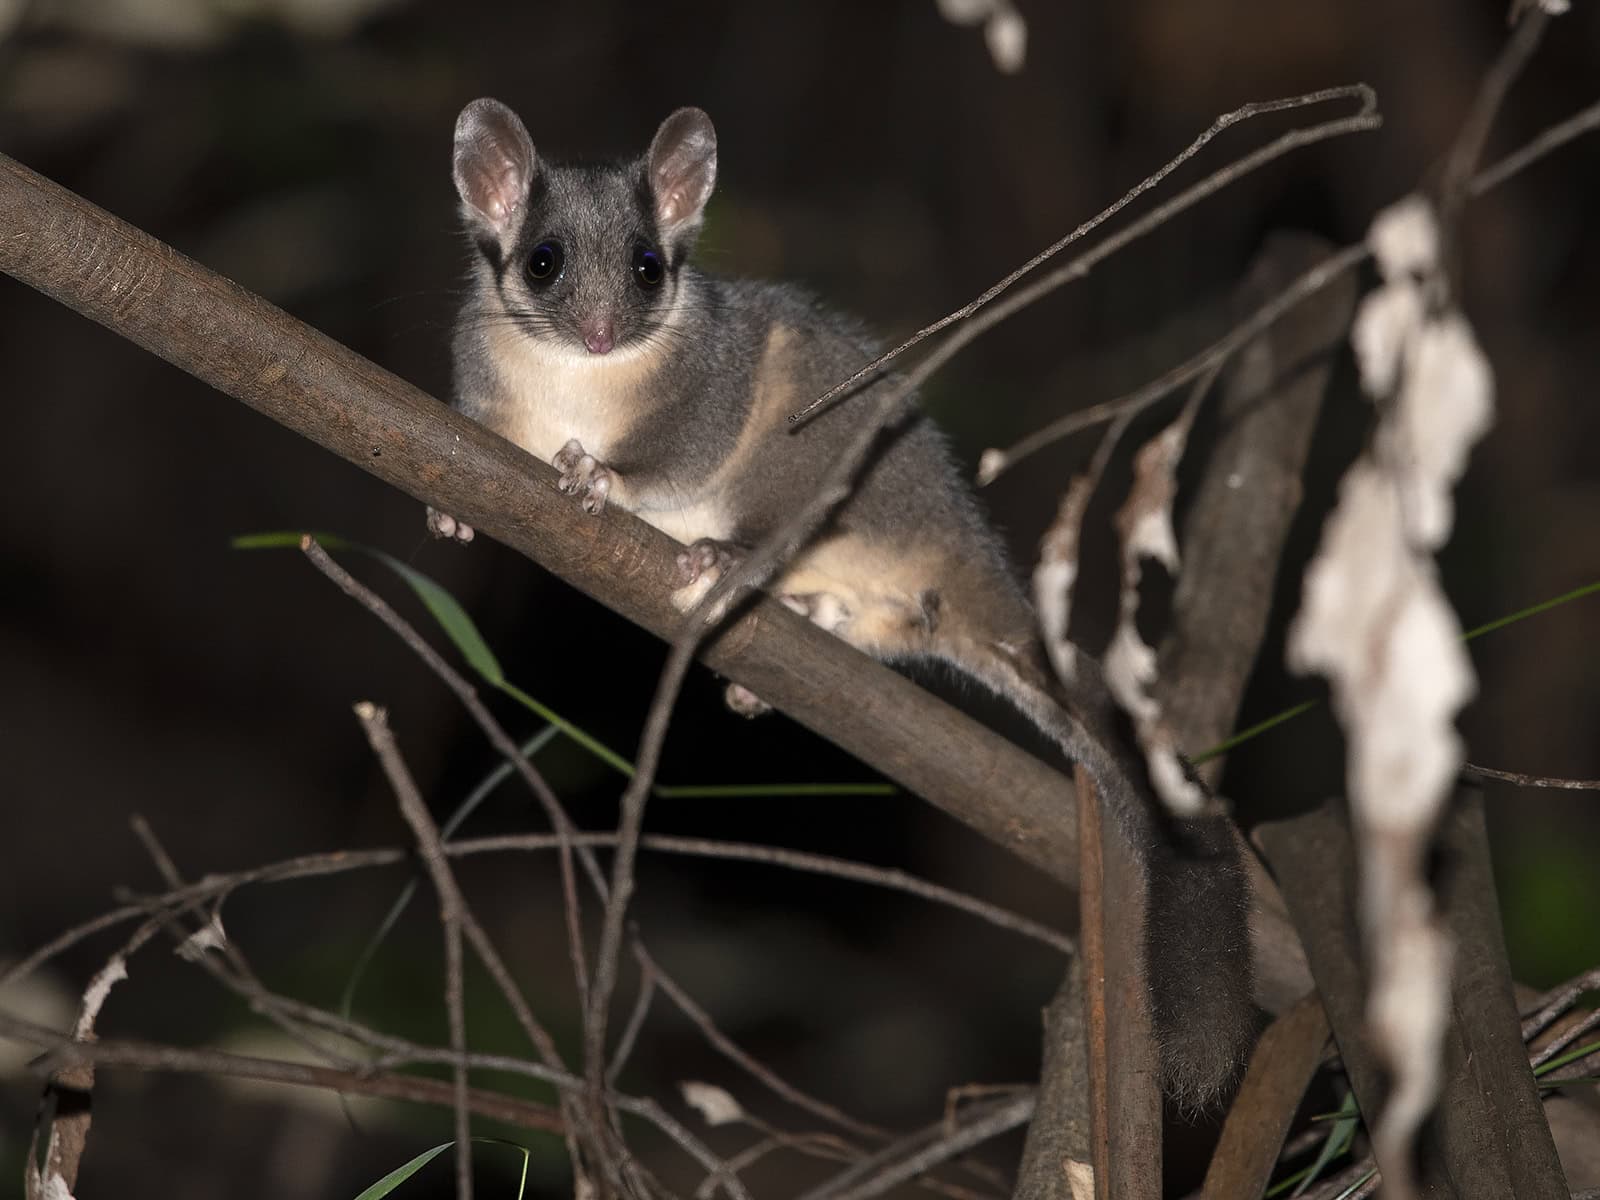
402, 1173
464, 634
588, 741
1532, 610
444, 607
452, 618
1256, 730
1570, 1056
1289, 714
1335, 1144
477, 796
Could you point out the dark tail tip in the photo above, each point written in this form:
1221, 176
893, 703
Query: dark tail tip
1197, 942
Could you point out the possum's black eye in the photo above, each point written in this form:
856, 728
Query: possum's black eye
647, 270
544, 264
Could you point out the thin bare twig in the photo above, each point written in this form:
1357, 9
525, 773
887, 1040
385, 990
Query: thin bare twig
1358, 91
557, 815
1585, 121
375, 723
169, 917
924, 1150
361, 1082
1543, 1011
1565, 1038
371, 1081
707, 616
636, 1019
890, 878
496, 734
1532, 781
1462, 163
63, 942
758, 1070
997, 462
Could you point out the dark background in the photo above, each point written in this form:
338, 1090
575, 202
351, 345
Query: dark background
871, 151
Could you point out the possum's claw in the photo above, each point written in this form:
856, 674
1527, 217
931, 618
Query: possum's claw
583, 477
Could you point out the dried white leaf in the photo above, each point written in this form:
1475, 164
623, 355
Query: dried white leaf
55, 1188
1446, 403
1555, 7
1409, 1001
1057, 574
1374, 620
1007, 35
1385, 324
209, 936
990, 463
1145, 525
715, 1105
1080, 1179
94, 996
967, 12
1405, 239
1130, 668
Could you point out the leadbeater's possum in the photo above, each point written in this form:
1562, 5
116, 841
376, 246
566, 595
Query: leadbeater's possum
590, 340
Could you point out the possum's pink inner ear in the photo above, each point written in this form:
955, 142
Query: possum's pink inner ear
683, 169
494, 165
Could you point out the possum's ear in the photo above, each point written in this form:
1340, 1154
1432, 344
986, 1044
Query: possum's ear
494, 168
682, 167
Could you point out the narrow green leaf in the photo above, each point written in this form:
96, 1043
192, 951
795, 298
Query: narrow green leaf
444, 607
1244, 735
588, 741
1336, 1143
452, 618
402, 1173
1533, 610
477, 796
1289, 714
1571, 1056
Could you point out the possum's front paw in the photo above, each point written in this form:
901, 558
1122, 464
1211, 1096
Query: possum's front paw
443, 525
745, 703
699, 568
583, 477
706, 557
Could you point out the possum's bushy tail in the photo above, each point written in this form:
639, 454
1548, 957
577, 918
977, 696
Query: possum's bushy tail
1197, 933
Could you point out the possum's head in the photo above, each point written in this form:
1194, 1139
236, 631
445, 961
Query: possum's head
589, 258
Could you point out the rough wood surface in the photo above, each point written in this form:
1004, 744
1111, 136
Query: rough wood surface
1281, 1067
1488, 1139
1057, 1149
1246, 498
1124, 1075
1491, 1124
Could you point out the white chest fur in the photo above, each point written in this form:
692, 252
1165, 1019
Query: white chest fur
545, 396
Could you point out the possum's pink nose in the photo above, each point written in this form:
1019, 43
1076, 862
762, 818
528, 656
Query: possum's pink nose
599, 335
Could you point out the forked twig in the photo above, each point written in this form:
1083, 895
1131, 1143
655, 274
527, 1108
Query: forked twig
1366, 118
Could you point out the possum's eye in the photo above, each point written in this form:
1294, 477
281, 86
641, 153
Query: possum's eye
544, 264
647, 270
